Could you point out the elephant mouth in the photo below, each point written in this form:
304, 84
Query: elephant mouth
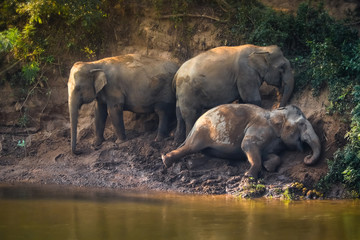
302, 146
298, 145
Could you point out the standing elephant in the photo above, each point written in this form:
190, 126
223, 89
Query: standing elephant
130, 82
232, 130
224, 74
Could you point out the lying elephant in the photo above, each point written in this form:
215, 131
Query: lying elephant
232, 130
130, 82
224, 74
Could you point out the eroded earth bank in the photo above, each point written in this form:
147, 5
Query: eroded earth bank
136, 163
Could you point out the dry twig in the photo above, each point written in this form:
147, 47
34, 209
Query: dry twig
192, 15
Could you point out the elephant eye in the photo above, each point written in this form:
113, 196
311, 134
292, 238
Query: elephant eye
302, 125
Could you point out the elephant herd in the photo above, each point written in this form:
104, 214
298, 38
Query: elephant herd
211, 80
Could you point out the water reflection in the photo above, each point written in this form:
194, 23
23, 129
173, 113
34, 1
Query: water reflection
63, 213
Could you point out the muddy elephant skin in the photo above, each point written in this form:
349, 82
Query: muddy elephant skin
235, 130
131, 82
225, 74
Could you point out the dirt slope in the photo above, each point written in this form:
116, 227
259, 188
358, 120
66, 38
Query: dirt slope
136, 163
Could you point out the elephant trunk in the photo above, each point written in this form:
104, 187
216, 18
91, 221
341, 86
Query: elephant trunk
309, 136
288, 85
74, 113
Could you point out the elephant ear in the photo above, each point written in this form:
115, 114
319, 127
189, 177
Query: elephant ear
259, 62
99, 79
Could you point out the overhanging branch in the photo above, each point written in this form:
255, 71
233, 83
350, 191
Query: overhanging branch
3, 71
191, 15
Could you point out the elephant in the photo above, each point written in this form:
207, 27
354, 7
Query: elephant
225, 74
234, 131
132, 82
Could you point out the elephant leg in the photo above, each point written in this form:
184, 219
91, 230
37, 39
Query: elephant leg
190, 117
189, 111
116, 115
271, 162
100, 120
180, 127
253, 155
191, 145
163, 111
250, 94
173, 156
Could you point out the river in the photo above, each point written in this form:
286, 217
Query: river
51, 213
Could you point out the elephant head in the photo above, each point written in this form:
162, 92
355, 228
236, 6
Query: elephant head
274, 69
85, 82
294, 129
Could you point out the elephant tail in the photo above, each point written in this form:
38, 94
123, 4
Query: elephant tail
174, 83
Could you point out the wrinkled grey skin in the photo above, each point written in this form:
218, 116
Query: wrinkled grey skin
235, 130
130, 82
224, 74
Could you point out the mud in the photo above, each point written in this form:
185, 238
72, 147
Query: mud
136, 163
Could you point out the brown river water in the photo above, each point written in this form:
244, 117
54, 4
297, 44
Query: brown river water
31, 212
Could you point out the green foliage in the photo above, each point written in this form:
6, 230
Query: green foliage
252, 189
288, 195
9, 39
85, 12
30, 72
21, 143
345, 166
254, 23
42, 24
23, 121
90, 54
327, 55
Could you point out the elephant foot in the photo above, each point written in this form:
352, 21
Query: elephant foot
159, 138
97, 143
167, 160
96, 147
251, 175
120, 141
76, 152
272, 163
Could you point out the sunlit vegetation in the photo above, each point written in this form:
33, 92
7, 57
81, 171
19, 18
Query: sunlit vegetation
33, 31
325, 52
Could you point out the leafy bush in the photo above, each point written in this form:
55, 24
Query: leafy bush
40, 24
254, 23
345, 166
30, 71
9, 39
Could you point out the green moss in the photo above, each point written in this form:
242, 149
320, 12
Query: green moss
252, 190
288, 195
